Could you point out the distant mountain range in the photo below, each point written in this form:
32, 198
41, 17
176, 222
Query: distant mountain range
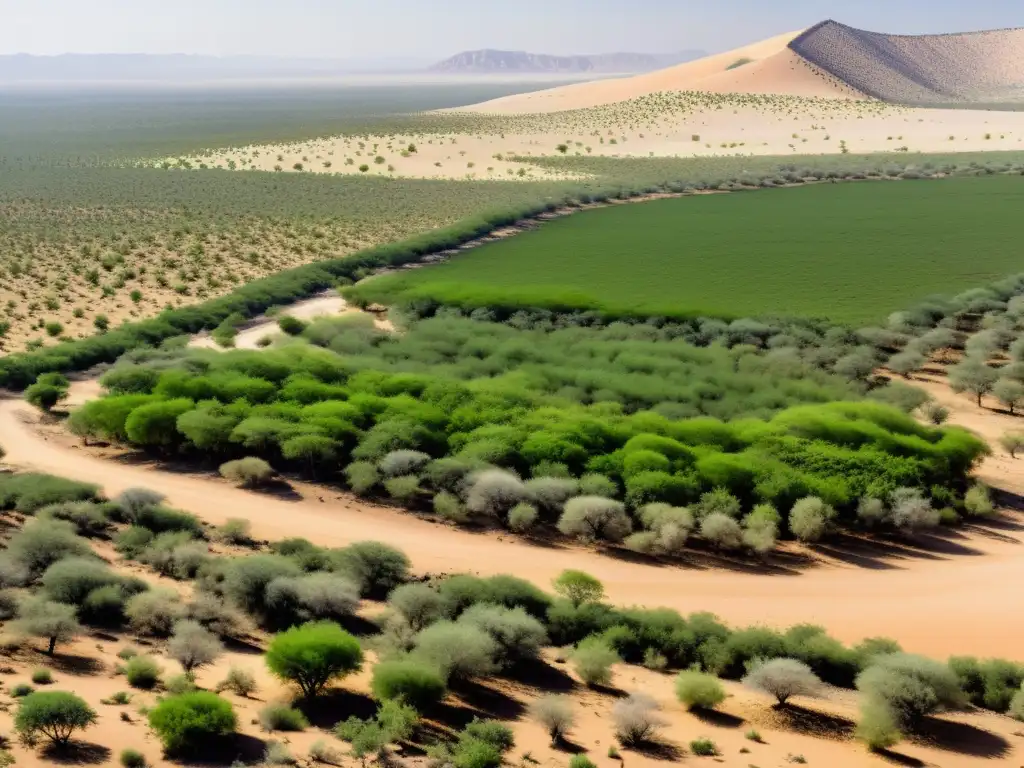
489, 61
79, 67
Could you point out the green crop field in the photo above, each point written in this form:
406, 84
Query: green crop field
849, 253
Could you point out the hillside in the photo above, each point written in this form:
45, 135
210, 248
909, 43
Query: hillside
488, 61
968, 68
768, 66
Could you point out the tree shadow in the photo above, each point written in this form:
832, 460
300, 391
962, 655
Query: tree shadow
568, 746
897, 759
77, 753
492, 702
813, 723
336, 705
240, 645
538, 674
76, 665
218, 752
960, 737
658, 750
715, 717
279, 489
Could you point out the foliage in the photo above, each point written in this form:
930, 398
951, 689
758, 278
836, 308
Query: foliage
783, 678
313, 655
280, 717
592, 659
410, 680
55, 714
697, 690
636, 720
192, 721
555, 714
457, 650
142, 672
578, 587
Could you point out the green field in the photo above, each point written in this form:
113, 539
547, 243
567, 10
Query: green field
850, 253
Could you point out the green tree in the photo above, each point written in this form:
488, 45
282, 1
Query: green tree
973, 377
54, 622
313, 655
1010, 393
49, 389
312, 449
578, 587
55, 714
155, 425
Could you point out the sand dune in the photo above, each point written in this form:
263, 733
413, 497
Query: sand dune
973, 67
772, 68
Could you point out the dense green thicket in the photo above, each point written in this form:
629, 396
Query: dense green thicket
792, 252
453, 408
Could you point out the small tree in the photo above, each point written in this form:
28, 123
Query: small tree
592, 517
697, 690
54, 622
193, 646
191, 721
973, 377
783, 678
55, 714
556, 714
906, 362
1010, 393
313, 655
636, 719
578, 587
1012, 442
314, 450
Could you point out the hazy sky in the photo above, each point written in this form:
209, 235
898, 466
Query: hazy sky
436, 28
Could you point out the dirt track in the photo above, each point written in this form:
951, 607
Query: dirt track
902, 592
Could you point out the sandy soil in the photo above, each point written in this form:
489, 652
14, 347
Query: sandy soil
898, 588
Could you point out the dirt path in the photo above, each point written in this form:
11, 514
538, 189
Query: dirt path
324, 305
909, 594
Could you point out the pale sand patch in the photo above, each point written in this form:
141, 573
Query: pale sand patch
666, 126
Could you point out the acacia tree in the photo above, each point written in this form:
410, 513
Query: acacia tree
973, 377
578, 587
1010, 393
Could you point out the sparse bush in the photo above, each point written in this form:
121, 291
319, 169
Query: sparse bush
592, 518
313, 655
636, 720
555, 714
1012, 442
239, 681
236, 530
456, 650
722, 531
934, 413
593, 659
55, 714
783, 678
250, 472
403, 462
293, 599
193, 721
810, 519
910, 686
518, 635
550, 493
142, 672
448, 506
978, 501
697, 690
420, 604
375, 567
522, 517
493, 492
704, 748
193, 646
910, 510
877, 728
280, 717
872, 512
322, 752
154, 612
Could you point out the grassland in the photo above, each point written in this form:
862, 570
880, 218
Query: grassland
849, 253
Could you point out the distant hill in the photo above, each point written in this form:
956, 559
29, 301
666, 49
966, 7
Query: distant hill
79, 67
489, 61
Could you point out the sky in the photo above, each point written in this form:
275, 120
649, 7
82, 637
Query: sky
438, 28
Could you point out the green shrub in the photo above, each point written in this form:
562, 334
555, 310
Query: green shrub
193, 646
522, 517
783, 678
42, 676
592, 518
132, 758
517, 635
878, 727
412, 681
21, 690
704, 748
910, 687
592, 659
250, 472
375, 567
697, 690
810, 518
55, 714
978, 501
240, 682
154, 612
313, 655
581, 761
191, 722
142, 672
280, 717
